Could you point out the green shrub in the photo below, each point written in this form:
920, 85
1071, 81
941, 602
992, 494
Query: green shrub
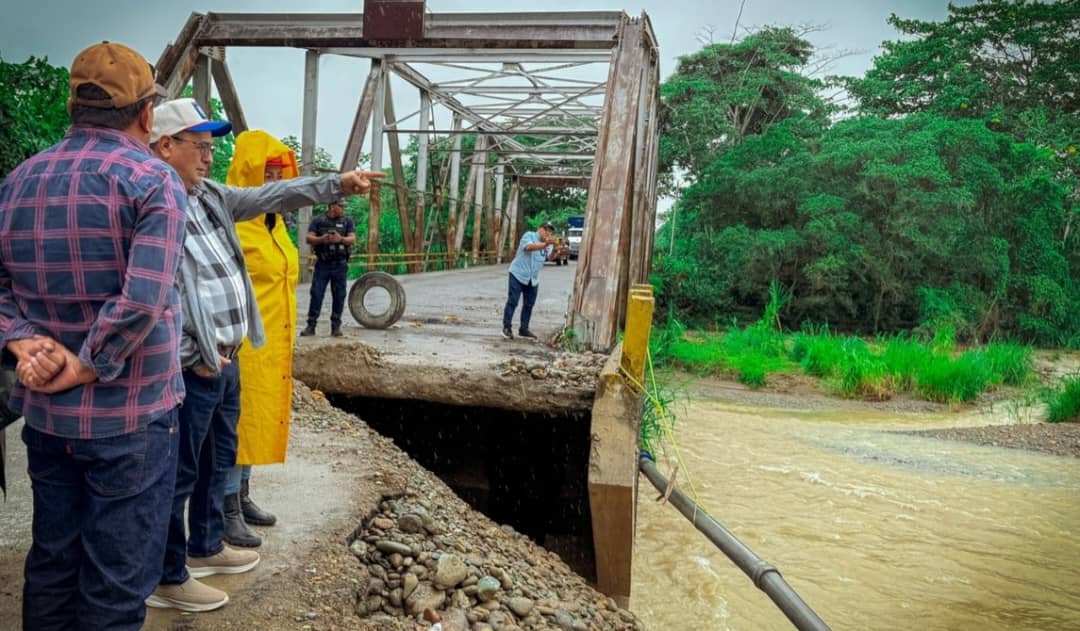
751, 370
821, 355
903, 358
959, 380
862, 374
1063, 402
1009, 363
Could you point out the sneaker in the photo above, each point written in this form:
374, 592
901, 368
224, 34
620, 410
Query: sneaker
308, 331
228, 561
507, 333
191, 595
527, 334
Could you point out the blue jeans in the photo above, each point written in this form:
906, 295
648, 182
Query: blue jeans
208, 421
101, 510
237, 475
334, 273
518, 289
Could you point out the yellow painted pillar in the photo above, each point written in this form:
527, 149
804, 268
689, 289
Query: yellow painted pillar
639, 314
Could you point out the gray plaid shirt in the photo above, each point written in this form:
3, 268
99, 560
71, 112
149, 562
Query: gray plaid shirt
220, 282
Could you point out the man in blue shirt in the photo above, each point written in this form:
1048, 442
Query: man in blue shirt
525, 278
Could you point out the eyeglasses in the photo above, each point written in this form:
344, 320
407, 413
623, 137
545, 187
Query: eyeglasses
205, 148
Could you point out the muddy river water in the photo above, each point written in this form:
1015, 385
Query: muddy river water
874, 529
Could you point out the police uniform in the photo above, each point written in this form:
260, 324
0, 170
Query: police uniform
331, 268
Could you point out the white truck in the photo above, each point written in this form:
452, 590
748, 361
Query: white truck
574, 233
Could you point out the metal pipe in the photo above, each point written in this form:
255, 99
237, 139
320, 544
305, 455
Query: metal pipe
765, 576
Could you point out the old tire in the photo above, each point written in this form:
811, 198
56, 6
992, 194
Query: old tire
366, 283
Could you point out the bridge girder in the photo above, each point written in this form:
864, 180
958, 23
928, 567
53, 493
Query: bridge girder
527, 87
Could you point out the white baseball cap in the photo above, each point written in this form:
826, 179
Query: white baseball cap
173, 117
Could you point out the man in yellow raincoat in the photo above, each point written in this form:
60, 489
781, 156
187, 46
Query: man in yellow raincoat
265, 373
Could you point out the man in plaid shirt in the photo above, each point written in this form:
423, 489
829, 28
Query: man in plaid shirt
91, 234
219, 311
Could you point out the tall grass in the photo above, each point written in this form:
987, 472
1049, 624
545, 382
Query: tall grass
1063, 402
850, 366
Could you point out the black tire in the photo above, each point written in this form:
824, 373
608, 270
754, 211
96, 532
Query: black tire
366, 283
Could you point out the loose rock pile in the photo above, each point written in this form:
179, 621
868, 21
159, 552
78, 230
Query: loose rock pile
426, 558
578, 369
435, 562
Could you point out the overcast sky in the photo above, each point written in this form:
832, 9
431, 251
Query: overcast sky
270, 81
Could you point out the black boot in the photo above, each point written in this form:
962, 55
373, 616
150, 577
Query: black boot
308, 331
236, 531
252, 513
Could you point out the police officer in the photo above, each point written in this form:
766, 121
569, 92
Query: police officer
332, 236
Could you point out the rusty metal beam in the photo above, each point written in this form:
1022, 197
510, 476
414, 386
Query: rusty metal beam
601, 280
201, 82
552, 181
524, 131
177, 62
401, 194
578, 30
230, 100
355, 144
474, 55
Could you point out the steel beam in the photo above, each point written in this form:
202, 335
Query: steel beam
201, 83
421, 170
455, 187
229, 98
552, 181
401, 193
473, 55
526, 131
355, 144
577, 30
307, 146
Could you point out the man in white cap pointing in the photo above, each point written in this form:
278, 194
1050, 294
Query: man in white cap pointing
219, 311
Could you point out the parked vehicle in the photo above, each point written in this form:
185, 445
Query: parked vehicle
575, 232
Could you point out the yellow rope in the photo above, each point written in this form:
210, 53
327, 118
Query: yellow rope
665, 423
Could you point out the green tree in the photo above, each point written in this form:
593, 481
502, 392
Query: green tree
724, 93
324, 162
33, 109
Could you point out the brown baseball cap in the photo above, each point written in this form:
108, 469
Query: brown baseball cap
121, 72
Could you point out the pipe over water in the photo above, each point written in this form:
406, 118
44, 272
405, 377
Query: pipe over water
765, 576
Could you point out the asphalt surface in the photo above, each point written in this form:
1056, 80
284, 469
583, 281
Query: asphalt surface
452, 318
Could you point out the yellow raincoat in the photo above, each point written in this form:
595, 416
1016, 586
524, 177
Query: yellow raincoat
273, 264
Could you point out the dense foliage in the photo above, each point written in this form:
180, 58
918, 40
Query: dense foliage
946, 198
33, 109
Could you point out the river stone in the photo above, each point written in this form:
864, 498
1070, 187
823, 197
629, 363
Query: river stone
396, 597
487, 587
383, 523
521, 606
359, 548
410, 523
395, 559
455, 620
390, 547
564, 620
504, 578
460, 600
450, 571
410, 584
424, 597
